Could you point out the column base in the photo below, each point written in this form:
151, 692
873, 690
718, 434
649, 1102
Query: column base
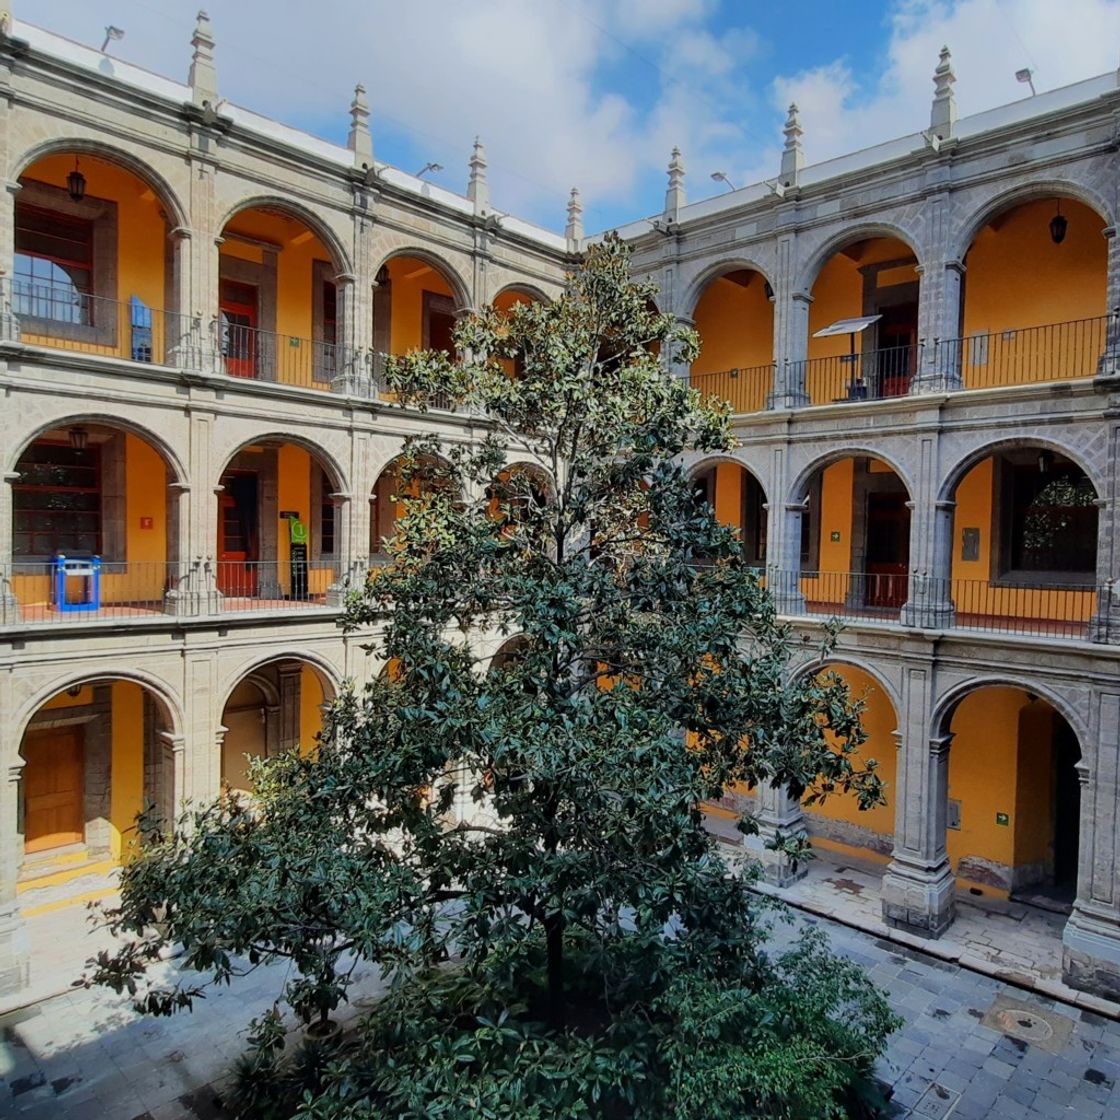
9, 608
15, 956
1091, 954
917, 899
779, 401
928, 616
1104, 626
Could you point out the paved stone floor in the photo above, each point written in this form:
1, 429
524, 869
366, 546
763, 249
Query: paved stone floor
973, 1046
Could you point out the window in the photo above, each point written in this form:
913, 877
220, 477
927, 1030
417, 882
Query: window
53, 266
1049, 517
57, 501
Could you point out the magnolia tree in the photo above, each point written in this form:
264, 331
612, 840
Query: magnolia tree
518, 843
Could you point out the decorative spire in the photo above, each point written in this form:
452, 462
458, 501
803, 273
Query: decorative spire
793, 154
943, 113
478, 190
675, 197
203, 78
574, 229
360, 140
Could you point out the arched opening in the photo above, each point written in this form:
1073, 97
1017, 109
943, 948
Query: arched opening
1024, 554
279, 532
1034, 300
863, 323
94, 525
276, 708
838, 824
734, 317
739, 502
520, 490
391, 491
504, 303
415, 307
269, 261
854, 533
95, 269
1014, 796
95, 756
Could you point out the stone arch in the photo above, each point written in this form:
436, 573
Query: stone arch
171, 459
964, 464
507, 649
448, 271
1032, 191
799, 490
810, 270
856, 661
175, 211
315, 449
536, 472
169, 702
530, 290
709, 461
340, 258
715, 270
327, 673
946, 704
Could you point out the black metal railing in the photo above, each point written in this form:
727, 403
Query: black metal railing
746, 389
868, 376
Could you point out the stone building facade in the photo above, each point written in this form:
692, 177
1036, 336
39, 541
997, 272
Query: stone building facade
196, 369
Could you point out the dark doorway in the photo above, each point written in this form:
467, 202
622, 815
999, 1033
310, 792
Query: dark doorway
238, 539
1067, 808
898, 349
888, 550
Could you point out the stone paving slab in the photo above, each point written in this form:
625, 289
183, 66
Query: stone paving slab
87, 1056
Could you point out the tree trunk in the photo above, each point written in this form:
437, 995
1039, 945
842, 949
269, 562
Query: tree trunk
554, 943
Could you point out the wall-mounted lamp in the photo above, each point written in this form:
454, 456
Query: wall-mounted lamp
433, 167
769, 290
1026, 75
112, 35
74, 691
79, 439
721, 177
76, 183
1045, 461
1059, 223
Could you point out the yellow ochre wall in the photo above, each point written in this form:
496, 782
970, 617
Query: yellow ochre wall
972, 590
736, 328
1018, 277
835, 516
729, 495
879, 722
293, 469
127, 786
141, 238
410, 279
310, 717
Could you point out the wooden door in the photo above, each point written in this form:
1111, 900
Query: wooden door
237, 325
53, 788
237, 536
888, 550
898, 351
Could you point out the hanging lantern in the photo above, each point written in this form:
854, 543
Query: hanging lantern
1058, 226
79, 439
76, 184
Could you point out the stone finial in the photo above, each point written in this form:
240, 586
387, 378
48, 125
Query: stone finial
360, 140
943, 113
573, 231
793, 154
675, 197
5, 19
478, 190
203, 78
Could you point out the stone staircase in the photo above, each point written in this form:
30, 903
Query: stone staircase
65, 877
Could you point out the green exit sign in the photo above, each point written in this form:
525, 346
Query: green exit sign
834, 536
1003, 818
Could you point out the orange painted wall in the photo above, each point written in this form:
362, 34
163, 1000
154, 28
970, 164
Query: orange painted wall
1017, 277
736, 328
242, 718
64, 700
835, 516
127, 788
310, 701
410, 279
729, 494
879, 721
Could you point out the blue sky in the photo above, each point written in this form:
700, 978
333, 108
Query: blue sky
595, 93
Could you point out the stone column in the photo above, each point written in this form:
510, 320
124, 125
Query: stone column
9, 321
939, 328
343, 559
1109, 365
678, 368
9, 604
929, 601
1091, 940
784, 578
791, 349
345, 371
182, 327
918, 886
1105, 623
777, 812
14, 947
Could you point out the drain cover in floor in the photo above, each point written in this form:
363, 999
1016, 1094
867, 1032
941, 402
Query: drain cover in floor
1041, 1027
936, 1103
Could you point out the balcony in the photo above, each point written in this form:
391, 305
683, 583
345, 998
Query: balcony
746, 390
1042, 611
260, 355
127, 591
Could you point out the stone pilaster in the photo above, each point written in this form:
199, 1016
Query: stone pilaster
918, 886
784, 578
1091, 940
14, 947
1105, 623
778, 814
1109, 365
